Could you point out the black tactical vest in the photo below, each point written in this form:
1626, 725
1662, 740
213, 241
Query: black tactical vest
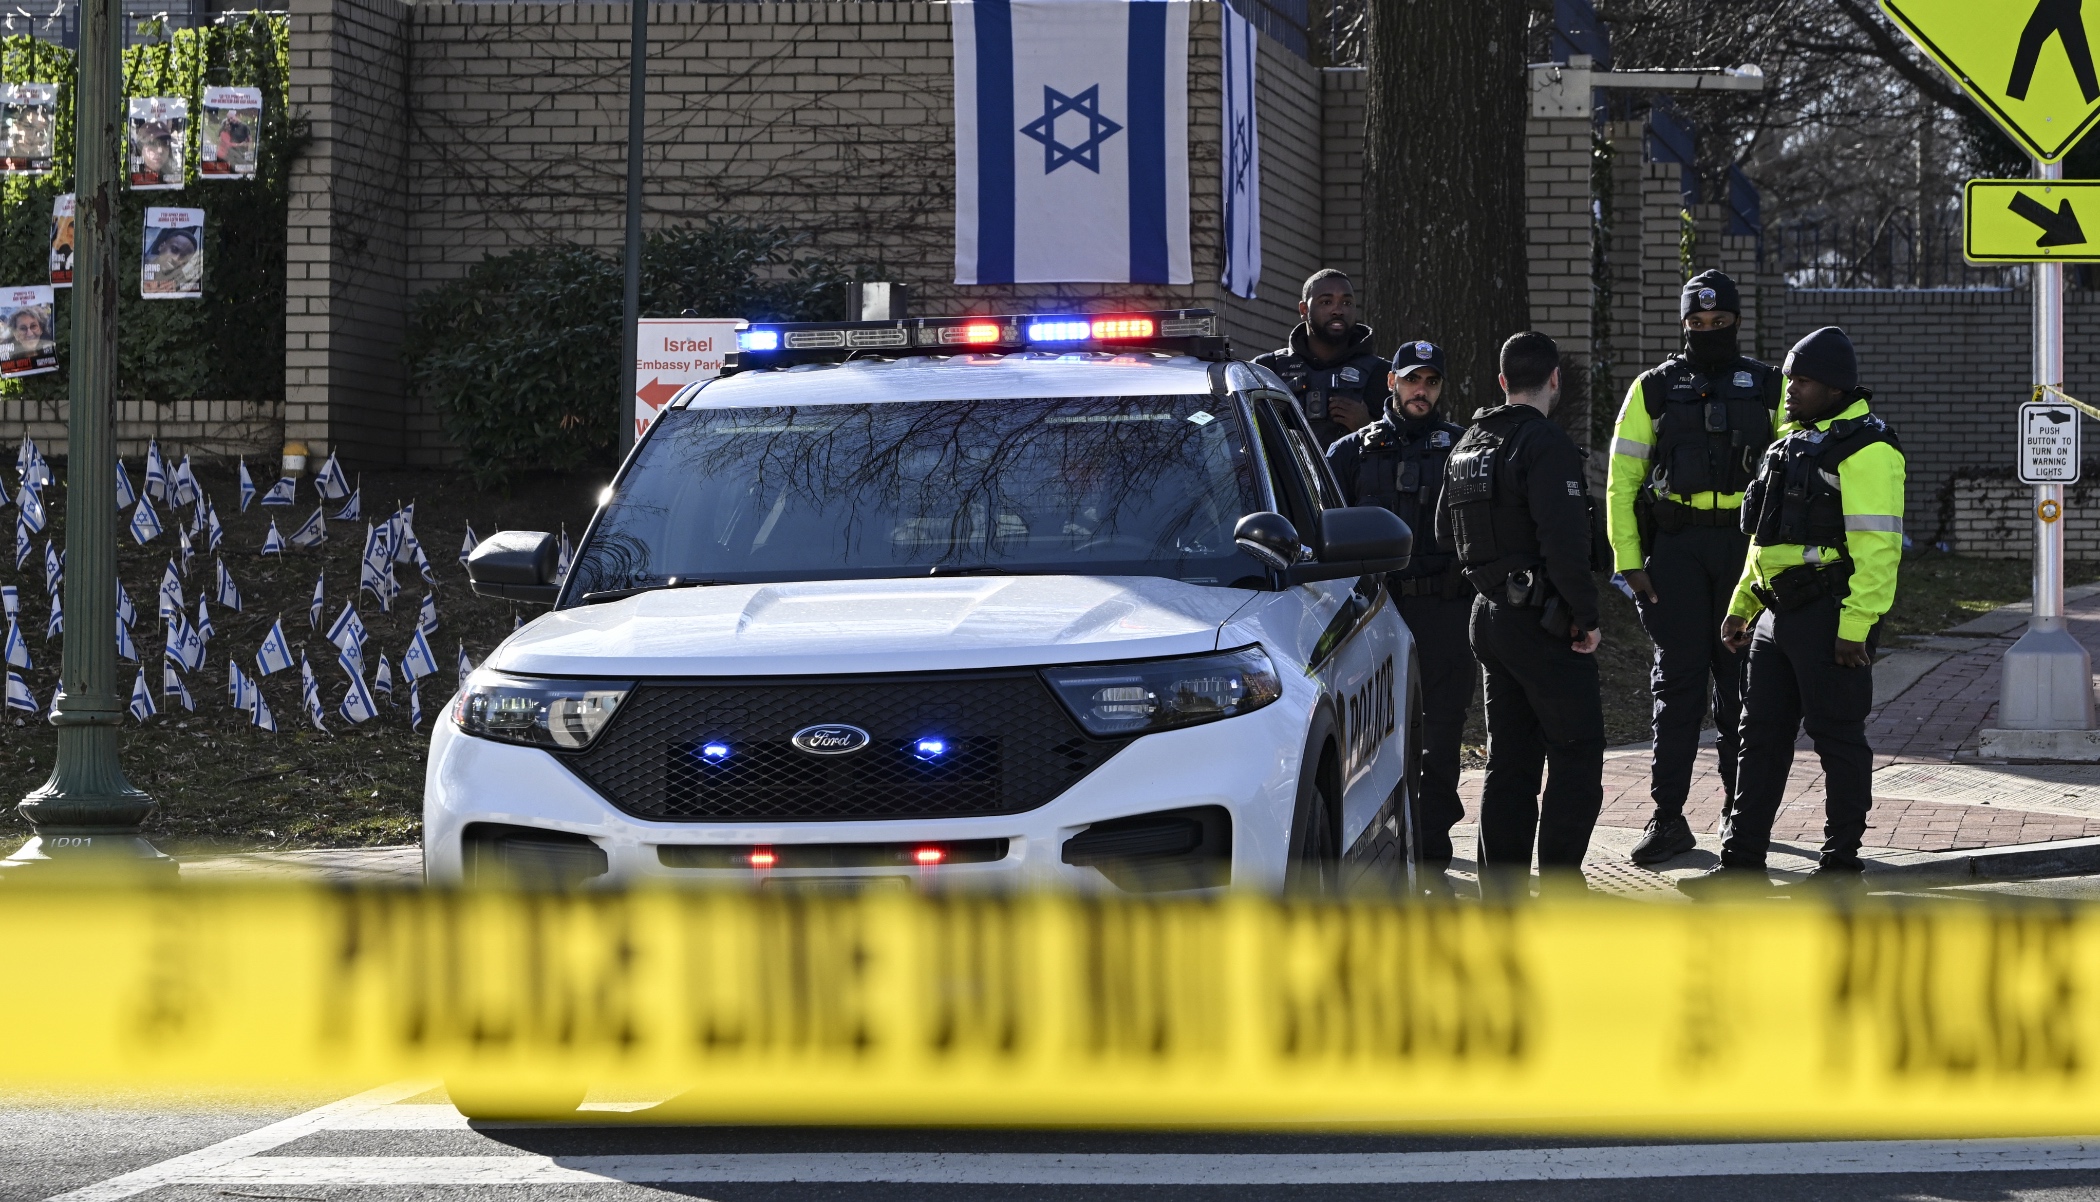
1406, 476
1795, 498
1491, 522
1709, 429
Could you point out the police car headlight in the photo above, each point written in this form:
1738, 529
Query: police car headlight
1138, 698
561, 714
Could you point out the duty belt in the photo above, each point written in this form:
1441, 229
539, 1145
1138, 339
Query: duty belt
1673, 516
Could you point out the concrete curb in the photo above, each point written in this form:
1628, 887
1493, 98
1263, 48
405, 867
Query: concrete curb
2021, 861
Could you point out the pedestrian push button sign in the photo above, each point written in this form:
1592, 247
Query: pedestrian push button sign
2028, 63
2031, 220
2048, 443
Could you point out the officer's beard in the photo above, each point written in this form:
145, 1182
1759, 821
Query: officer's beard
1711, 348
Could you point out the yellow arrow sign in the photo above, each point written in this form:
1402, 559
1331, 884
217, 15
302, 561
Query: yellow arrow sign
2029, 63
2031, 221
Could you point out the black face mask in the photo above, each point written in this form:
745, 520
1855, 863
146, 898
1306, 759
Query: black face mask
1715, 348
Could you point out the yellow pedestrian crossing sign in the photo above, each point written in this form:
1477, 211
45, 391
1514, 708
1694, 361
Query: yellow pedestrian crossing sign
2030, 221
2029, 63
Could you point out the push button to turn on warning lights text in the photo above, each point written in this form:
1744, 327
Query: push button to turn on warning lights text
2048, 443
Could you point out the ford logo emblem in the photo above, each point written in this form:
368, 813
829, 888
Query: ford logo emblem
832, 738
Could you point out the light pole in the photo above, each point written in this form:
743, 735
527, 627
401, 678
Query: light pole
631, 299
88, 815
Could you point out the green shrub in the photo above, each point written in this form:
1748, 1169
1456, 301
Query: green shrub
228, 346
521, 356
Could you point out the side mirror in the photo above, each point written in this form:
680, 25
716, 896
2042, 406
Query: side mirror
516, 565
1270, 539
1362, 540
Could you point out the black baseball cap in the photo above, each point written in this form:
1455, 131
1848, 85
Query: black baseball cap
1412, 355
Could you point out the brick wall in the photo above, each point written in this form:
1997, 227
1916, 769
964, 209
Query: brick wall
1342, 168
206, 429
1993, 517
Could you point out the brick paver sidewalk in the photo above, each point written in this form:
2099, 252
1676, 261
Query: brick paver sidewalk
1929, 722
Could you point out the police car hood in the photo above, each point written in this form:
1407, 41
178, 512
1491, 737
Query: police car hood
870, 626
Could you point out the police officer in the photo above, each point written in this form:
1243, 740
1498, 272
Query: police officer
1329, 364
1398, 462
1516, 508
1688, 441
1826, 520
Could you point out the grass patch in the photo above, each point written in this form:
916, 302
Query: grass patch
1937, 591
223, 784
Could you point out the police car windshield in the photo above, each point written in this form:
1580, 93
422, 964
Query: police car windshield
1140, 485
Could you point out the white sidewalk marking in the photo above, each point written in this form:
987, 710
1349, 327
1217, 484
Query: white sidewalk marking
1376, 1168
262, 1139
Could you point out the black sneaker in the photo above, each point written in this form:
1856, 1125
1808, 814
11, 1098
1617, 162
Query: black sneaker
1726, 880
1665, 838
1838, 874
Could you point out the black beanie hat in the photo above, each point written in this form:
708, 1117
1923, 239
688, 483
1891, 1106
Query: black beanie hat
1707, 291
1826, 357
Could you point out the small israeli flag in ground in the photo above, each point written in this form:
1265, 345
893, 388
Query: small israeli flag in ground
358, 705
313, 608
467, 545
228, 593
10, 602
156, 472
353, 509
205, 630
33, 515
563, 558
247, 486
184, 481
127, 613
126, 649
145, 524
310, 694
17, 647
263, 717
170, 593
54, 566
1241, 157
1071, 142
196, 523
21, 544
171, 686
466, 666
184, 645
57, 625
351, 660
273, 542
125, 496
237, 688
142, 706
517, 620
184, 551
30, 465
383, 680
348, 630
391, 589
19, 696
275, 654
213, 531
418, 662
329, 482
423, 566
284, 492
313, 533
427, 618
415, 705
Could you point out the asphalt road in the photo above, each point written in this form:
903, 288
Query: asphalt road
401, 1143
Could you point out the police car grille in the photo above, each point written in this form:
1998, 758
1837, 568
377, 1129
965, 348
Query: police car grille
1009, 747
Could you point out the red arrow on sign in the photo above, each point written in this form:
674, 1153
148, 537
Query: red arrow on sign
655, 392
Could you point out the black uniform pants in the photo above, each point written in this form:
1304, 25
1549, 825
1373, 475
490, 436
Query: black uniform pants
1544, 712
1448, 678
1793, 681
1694, 572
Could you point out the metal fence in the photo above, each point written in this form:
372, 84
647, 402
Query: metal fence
1894, 252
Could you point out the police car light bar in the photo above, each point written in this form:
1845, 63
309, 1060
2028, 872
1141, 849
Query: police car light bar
1171, 331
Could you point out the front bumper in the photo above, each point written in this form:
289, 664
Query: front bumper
1247, 765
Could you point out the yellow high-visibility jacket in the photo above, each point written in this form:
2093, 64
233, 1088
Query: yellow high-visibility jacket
1632, 449
1871, 481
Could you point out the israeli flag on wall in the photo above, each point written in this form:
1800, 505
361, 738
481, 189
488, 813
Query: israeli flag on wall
1071, 141
1242, 157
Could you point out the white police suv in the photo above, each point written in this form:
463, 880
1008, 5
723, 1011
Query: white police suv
1054, 601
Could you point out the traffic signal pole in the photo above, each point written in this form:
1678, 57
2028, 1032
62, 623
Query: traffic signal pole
88, 815
631, 297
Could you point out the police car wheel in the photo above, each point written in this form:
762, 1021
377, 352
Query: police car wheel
1316, 853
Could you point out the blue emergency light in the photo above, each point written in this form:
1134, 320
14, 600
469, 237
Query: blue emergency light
1192, 332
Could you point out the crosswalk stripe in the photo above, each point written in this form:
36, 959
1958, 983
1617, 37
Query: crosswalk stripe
262, 1139
1377, 1168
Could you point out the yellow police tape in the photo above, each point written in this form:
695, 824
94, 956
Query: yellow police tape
1585, 1015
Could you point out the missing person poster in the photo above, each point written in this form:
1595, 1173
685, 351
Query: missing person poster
62, 240
172, 264
25, 317
31, 114
230, 133
159, 129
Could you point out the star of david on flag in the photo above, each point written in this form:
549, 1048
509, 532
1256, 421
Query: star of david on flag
348, 629
275, 654
21, 544
125, 496
263, 717
314, 532
142, 706
54, 567
240, 691
329, 481
418, 661
353, 509
184, 646
358, 705
32, 508
228, 593
214, 532
170, 593
284, 492
145, 524
17, 647
19, 697
30, 465
247, 486
1241, 159
156, 473
1071, 141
